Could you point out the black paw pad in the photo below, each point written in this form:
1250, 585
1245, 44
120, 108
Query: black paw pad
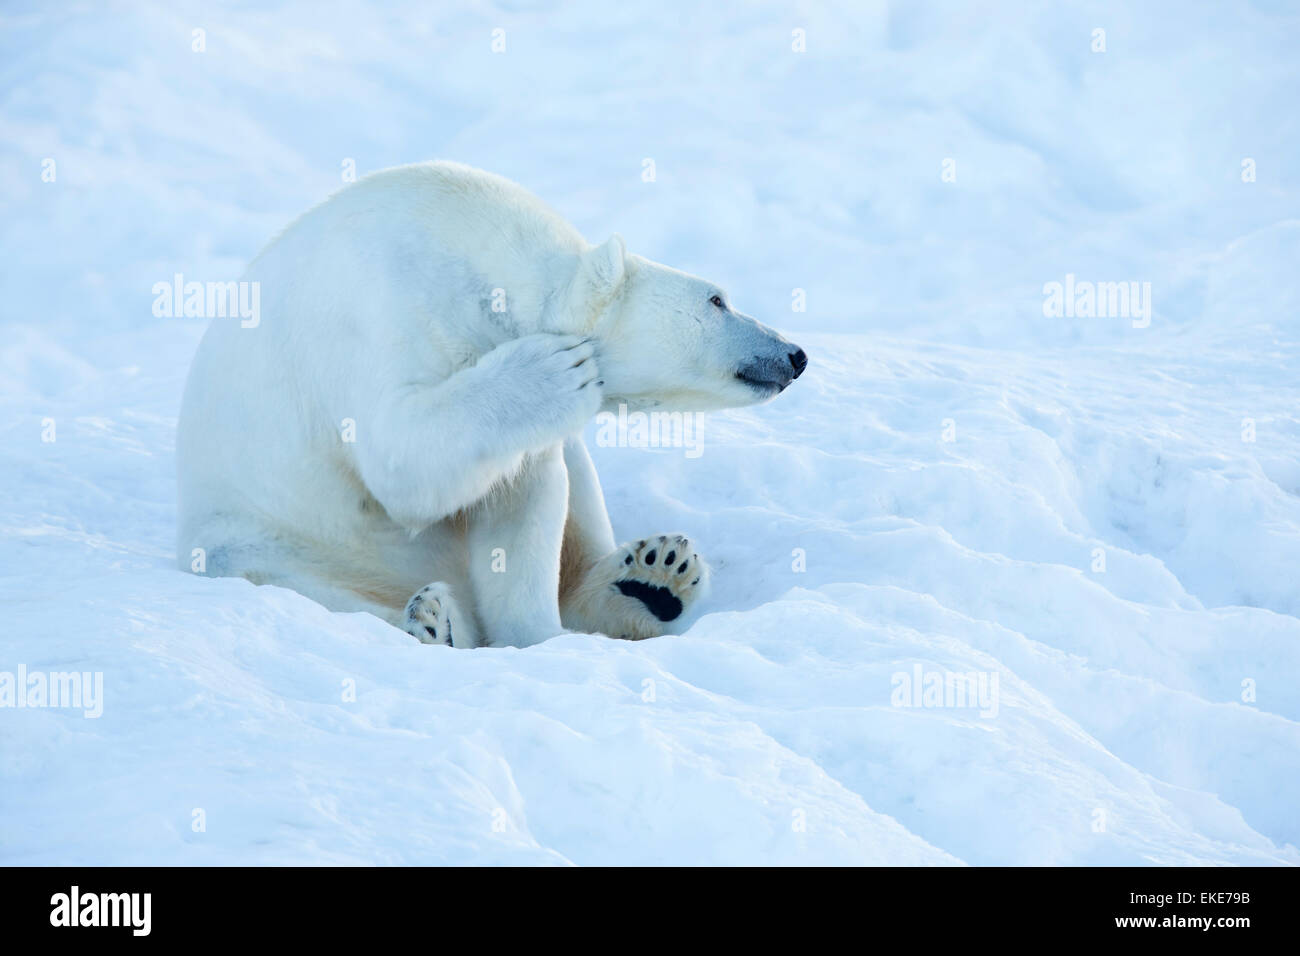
650, 557
660, 602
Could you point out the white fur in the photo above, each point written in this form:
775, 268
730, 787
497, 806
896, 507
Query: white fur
377, 310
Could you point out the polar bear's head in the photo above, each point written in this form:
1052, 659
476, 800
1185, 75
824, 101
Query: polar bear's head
671, 340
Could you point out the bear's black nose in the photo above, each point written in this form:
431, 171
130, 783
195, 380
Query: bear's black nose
799, 362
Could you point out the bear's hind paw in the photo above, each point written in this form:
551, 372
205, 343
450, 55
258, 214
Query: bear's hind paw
430, 614
643, 586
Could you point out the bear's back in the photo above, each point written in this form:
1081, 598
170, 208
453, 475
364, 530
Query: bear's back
467, 211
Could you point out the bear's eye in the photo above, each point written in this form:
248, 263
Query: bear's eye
717, 300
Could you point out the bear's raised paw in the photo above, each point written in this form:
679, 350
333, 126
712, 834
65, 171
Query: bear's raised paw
639, 589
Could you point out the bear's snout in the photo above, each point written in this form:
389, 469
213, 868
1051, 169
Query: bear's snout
799, 361
769, 372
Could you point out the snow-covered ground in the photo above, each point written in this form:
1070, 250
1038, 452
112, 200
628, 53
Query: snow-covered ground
1098, 518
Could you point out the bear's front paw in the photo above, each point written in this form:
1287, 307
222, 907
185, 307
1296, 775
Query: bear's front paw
642, 587
549, 380
429, 615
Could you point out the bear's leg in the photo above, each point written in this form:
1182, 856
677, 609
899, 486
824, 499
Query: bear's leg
514, 538
260, 555
432, 617
431, 451
588, 536
274, 562
639, 589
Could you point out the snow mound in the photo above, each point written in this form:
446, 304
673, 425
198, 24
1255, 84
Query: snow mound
991, 587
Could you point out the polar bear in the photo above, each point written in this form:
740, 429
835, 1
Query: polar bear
399, 430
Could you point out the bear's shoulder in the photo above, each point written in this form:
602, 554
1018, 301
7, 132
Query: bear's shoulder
446, 187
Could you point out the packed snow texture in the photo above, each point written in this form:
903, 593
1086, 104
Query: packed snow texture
1096, 516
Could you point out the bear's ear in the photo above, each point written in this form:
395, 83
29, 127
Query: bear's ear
601, 272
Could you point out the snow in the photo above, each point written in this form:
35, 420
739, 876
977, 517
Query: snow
939, 491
